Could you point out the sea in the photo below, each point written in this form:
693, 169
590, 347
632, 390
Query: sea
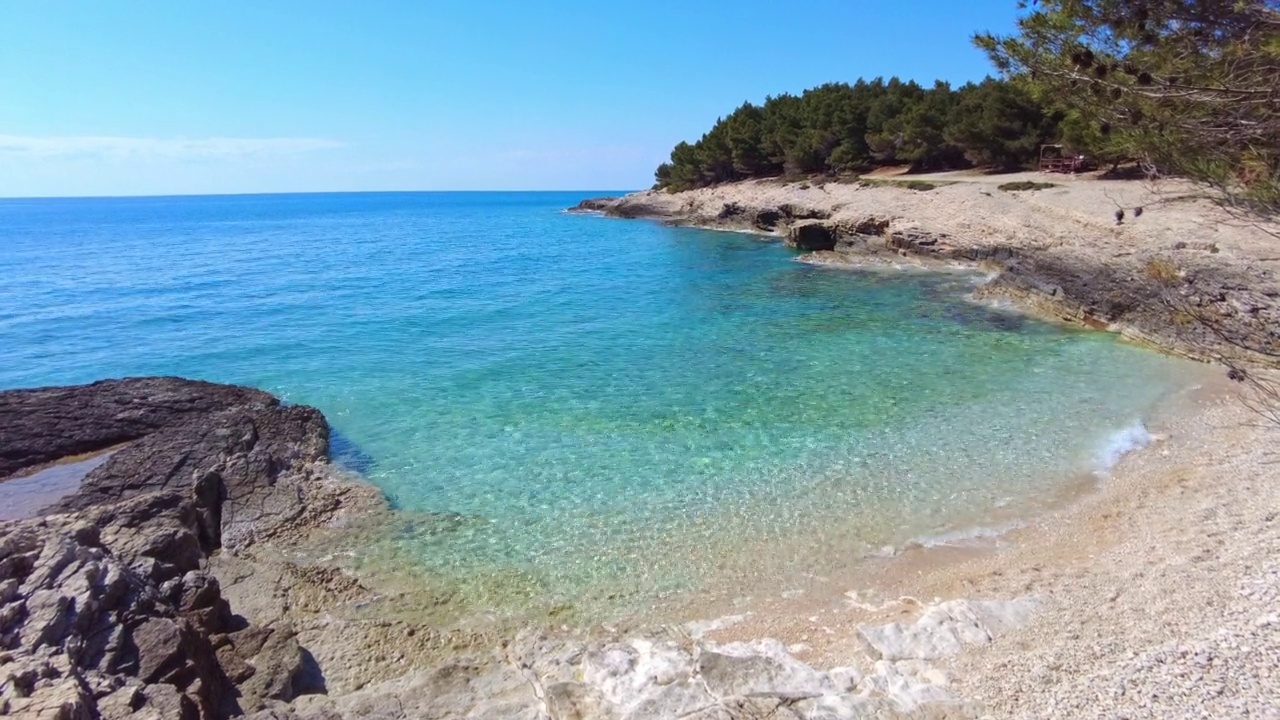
572, 411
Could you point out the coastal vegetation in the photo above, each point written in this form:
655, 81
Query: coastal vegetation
1024, 185
1181, 87
840, 128
1185, 87
920, 185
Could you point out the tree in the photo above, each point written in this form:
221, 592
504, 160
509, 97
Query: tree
842, 128
1000, 124
1191, 87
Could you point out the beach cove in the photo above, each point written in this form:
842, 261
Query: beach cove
879, 566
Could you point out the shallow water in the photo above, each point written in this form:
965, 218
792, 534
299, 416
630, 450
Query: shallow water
26, 495
572, 409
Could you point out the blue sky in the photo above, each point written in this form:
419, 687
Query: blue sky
126, 98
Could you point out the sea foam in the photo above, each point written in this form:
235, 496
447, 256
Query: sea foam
1121, 443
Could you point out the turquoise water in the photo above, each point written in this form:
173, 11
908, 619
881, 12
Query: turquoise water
566, 407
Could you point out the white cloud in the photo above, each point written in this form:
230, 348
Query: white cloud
159, 148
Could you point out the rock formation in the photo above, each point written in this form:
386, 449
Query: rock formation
107, 608
542, 677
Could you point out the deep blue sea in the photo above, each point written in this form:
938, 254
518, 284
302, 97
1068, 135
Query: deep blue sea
567, 407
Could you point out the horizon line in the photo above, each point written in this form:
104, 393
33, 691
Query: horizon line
301, 192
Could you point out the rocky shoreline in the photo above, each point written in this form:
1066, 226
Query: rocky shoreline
1057, 252
108, 606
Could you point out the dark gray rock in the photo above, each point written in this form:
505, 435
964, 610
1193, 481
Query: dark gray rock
106, 608
46, 424
230, 461
600, 204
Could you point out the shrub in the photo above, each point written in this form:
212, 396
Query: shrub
1163, 271
919, 185
1026, 185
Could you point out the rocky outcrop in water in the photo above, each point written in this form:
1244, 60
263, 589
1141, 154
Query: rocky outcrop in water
46, 424
813, 235
107, 606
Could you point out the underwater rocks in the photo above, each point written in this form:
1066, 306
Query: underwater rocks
541, 677
107, 606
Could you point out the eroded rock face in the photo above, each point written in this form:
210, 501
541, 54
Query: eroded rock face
230, 460
124, 620
106, 606
812, 235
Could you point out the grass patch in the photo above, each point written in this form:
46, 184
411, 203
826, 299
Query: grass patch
1026, 185
1163, 272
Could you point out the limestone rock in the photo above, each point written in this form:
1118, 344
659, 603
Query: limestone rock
943, 630
812, 235
595, 205
230, 461
107, 608
760, 668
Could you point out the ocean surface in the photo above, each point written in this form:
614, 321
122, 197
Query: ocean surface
570, 409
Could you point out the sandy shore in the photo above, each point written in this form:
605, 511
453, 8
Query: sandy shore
1156, 592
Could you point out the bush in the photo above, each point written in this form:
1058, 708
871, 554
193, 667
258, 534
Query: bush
919, 185
1026, 185
1163, 271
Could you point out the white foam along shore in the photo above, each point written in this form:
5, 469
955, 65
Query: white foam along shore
1120, 443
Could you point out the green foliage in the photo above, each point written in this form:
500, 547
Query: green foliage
1188, 87
842, 129
1000, 124
1026, 185
919, 185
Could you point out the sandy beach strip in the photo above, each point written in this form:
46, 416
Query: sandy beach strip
1157, 591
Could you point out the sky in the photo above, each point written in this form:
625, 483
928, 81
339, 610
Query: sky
120, 97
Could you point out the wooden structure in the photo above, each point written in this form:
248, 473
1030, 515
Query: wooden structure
1054, 159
